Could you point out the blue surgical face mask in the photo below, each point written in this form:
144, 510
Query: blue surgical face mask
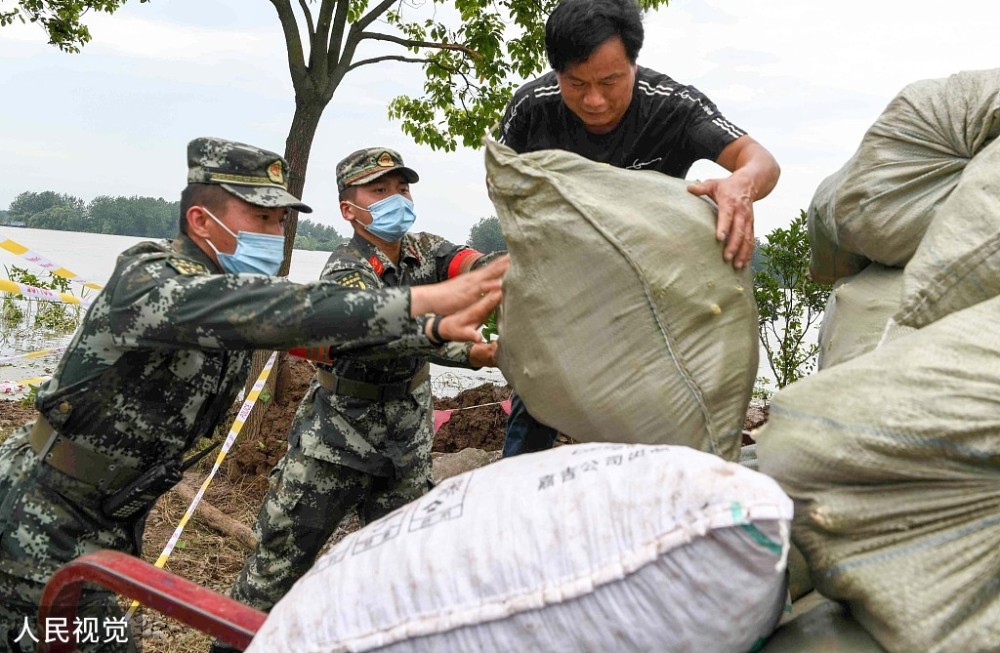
255, 253
391, 217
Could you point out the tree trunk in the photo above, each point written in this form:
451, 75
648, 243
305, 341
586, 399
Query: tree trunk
297, 147
305, 122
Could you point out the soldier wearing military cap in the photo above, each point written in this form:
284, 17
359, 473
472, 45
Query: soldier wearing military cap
361, 439
160, 357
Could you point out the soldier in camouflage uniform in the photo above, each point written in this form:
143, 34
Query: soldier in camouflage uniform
159, 359
362, 436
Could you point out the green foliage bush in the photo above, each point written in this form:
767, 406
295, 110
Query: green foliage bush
19, 312
316, 237
486, 236
789, 302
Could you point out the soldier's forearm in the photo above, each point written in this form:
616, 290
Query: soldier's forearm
452, 354
257, 312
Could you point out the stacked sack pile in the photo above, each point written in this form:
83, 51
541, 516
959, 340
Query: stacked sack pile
876, 215
892, 451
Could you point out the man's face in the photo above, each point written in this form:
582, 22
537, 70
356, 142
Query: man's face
599, 89
243, 216
385, 186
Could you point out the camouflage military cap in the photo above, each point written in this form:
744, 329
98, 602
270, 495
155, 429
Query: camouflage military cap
367, 165
250, 173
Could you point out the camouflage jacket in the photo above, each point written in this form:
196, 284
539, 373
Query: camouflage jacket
425, 259
165, 348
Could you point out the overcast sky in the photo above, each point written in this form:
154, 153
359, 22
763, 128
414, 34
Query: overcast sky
806, 79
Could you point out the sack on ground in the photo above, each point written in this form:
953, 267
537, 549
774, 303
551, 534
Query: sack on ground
958, 261
857, 313
879, 204
592, 547
799, 582
894, 460
819, 625
620, 319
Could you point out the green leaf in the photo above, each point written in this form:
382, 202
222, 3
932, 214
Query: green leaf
62, 19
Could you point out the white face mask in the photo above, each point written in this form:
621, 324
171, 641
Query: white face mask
255, 253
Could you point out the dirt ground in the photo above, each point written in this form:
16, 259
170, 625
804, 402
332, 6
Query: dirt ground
211, 559
473, 424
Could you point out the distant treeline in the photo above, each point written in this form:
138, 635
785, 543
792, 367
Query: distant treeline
146, 217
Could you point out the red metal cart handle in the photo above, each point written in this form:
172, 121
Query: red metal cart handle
199, 607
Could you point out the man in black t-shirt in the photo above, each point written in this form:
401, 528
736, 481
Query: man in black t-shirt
598, 103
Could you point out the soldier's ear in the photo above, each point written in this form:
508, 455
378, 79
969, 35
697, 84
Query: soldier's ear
347, 211
197, 220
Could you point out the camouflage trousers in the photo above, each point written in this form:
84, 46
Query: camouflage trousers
47, 520
316, 485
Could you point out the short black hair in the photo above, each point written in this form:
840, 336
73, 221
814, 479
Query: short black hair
349, 194
576, 28
211, 196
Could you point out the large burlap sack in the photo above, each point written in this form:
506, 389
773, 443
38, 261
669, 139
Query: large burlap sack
593, 547
893, 460
857, 312
799, 580
828, 260
958, 261
879, 204
620, 320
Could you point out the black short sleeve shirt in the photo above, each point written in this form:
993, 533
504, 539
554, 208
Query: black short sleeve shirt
667, 127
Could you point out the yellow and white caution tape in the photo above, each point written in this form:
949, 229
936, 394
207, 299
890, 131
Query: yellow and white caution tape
44, 263
241, 418
43, 294
33, 354
38, 380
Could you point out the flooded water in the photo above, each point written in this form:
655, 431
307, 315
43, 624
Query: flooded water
92, 257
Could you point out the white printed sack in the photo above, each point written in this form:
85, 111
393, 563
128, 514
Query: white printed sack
620, 321
593, 547
879, 204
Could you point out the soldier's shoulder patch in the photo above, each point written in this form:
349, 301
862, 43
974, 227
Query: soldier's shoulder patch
352, 280
186, 266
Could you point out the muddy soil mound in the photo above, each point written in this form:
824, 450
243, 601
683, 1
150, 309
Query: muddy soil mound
472, 423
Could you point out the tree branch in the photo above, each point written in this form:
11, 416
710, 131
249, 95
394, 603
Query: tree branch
309, 18
293, 42
213, 517
410, 43
337, 35
390, 57
370, 17
318, 56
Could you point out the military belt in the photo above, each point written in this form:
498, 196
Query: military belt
77, 461
372, 391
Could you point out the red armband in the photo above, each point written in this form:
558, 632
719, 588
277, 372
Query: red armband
463, 262
319, 354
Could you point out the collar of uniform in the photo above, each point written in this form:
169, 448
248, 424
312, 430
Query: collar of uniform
184, 246
368, 249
